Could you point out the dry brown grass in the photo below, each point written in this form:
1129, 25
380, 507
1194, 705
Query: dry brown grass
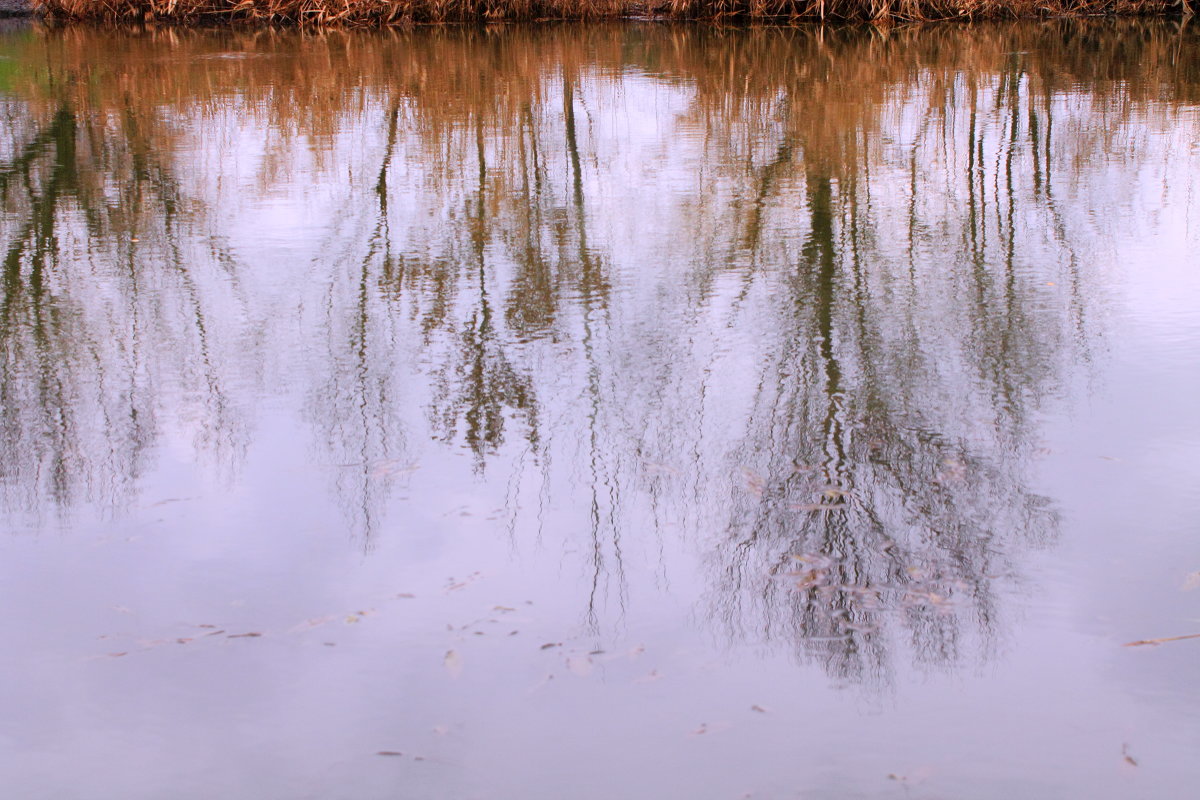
400, 12
912, 10
330, 12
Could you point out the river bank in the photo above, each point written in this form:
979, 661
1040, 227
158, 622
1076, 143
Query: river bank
15, 8
402, 12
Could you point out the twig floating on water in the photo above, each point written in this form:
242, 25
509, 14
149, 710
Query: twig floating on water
1152, 642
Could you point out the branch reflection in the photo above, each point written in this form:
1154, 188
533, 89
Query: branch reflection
796, 299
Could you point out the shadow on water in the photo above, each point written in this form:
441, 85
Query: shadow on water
801, 312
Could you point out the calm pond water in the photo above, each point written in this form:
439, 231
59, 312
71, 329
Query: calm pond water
625, 411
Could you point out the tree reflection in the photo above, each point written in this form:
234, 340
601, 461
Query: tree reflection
880, 484
101, 289
805, 303
863, 510
479, 386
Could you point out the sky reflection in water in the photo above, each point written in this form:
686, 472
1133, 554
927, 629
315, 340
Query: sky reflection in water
600, 411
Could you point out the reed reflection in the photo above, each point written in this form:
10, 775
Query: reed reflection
794, 298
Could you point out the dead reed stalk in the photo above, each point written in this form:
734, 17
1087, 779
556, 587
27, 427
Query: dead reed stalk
315, 13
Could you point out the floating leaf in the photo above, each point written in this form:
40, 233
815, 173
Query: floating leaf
381, 469
251, 635
453, 663
453, 585
1130, 760
918, 775
170, 500
753, 482
389, 753
758, 708
548, 645
952, 471
311, 623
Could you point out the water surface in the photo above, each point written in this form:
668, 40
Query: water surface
600, 411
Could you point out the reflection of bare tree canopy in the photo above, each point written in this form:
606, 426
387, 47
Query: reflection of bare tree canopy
84, 323
802, 294
871, 499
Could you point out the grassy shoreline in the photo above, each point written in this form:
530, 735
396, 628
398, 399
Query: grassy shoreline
374, 13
